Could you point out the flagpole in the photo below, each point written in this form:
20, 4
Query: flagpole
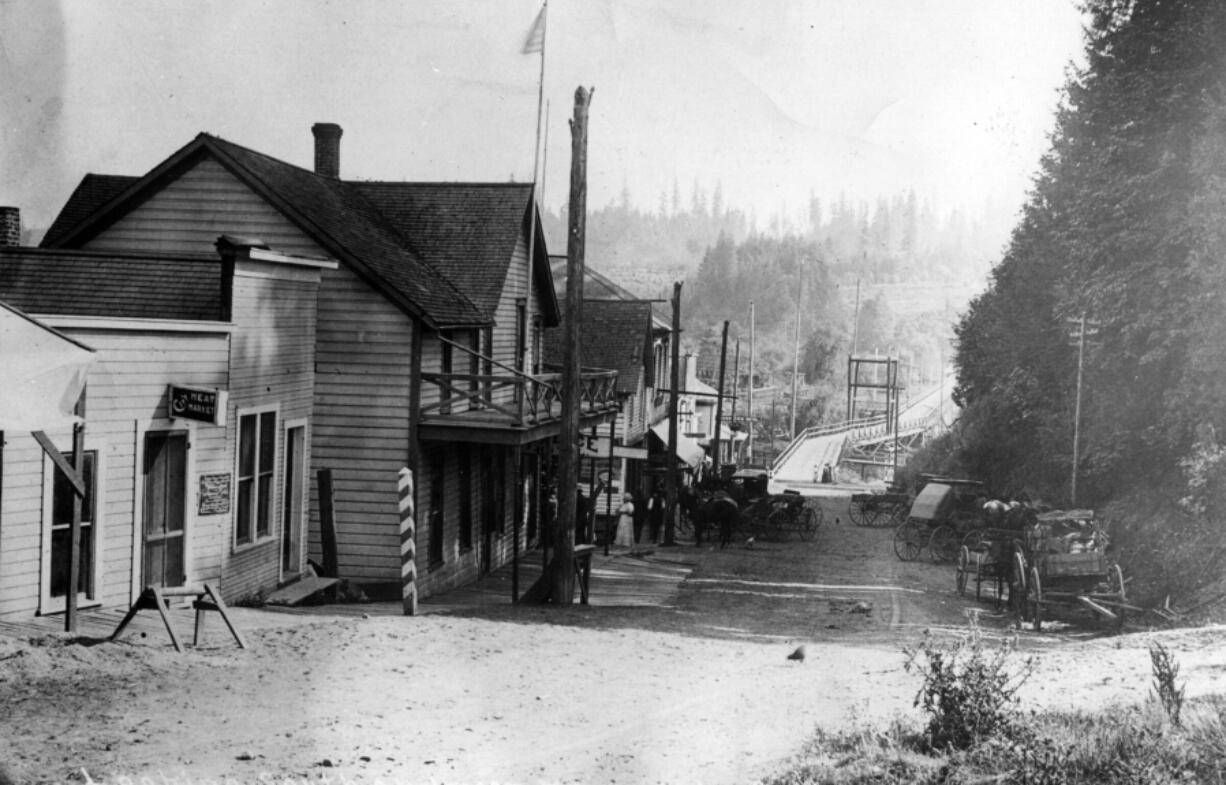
536, 160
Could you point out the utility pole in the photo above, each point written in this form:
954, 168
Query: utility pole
719, 402
750, 419
1081, 354
562, 578
670, 523
796, 359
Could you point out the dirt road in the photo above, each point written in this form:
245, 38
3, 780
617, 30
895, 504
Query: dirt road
701, 691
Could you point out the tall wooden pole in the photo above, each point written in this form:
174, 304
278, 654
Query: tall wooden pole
719, 402
670, 527
1081, 356
749, 407
562, 579
795, 362
736, 386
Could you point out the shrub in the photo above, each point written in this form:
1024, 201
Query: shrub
968, 692
1166, 670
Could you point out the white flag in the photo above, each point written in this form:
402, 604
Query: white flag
535, 42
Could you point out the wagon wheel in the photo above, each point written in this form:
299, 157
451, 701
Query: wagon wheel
974, 539
809, 521
855, 511
943, 544
979, 576
1115, 579
964, 565
1034, 597
777, 525
1017, 588
908, 541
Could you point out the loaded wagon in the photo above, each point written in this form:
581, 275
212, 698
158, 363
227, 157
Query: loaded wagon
1064, 563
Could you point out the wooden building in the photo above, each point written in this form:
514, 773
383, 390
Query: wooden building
198, 422
428, 338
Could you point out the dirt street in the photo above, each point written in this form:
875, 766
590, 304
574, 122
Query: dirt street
700, 691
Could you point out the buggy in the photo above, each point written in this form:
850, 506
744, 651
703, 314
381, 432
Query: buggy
944, 510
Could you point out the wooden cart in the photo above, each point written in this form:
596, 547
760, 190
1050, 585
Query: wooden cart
779, 517
879, 509
1064, 564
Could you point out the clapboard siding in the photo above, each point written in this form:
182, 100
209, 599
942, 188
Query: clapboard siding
361, 423
192, 211
272, 364
126, 396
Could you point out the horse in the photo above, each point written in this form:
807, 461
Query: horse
718, 511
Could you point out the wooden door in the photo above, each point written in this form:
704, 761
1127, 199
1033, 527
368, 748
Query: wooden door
292, 508
165, 474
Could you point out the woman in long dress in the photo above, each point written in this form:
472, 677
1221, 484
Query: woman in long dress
625, 523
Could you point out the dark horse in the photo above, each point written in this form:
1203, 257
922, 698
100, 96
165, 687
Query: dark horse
719, 511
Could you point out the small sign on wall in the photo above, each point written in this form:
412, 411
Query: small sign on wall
198, 403
214, 494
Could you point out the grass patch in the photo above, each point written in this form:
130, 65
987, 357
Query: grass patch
975, 733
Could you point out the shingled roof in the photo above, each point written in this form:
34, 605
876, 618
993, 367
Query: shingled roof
93, 192
613, 336
433, 259
90, 283
597, 286
460, 228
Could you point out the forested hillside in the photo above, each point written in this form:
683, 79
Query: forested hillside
912, 271
1124, 227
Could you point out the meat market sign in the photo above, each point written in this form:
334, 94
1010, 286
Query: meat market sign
198, 403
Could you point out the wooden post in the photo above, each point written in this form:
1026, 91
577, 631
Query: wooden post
670, 524
408, 543
74, 559
749, 404
562, 580
719, 402
327, 523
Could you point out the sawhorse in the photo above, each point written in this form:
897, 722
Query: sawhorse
205, 599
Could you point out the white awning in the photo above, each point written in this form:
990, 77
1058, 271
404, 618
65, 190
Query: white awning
43, 373
688, 449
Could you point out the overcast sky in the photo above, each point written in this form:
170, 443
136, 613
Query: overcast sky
774, 99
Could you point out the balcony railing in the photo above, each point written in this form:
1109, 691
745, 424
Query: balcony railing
535, 398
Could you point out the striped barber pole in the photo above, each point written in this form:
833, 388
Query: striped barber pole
408, 544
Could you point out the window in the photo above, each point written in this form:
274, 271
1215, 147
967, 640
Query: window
257, 459
61, 530
446, 369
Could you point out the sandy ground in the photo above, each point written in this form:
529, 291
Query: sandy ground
700, 692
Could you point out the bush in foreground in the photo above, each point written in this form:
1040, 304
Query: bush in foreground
976, 734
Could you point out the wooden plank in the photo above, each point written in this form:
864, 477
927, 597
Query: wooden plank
296, 592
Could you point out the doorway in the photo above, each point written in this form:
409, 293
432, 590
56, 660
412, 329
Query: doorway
291, 523
165, 513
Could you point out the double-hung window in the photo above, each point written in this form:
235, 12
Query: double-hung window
257, 460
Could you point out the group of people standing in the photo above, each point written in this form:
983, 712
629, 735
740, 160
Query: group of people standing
632, 518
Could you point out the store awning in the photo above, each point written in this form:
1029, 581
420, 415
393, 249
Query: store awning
688, 450
44, 373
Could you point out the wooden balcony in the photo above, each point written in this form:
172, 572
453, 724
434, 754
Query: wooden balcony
510, 407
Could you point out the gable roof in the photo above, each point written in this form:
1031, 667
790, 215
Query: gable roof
91, 283
372, 227
468, 232
598, 286
614, 335
94, 191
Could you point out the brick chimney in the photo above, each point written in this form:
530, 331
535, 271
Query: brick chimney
327, 149
10, 226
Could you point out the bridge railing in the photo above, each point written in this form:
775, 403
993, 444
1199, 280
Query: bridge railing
856, 429
829, 429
